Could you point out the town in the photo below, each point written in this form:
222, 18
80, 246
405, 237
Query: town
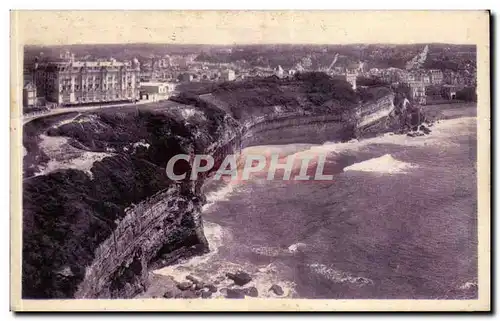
431, 74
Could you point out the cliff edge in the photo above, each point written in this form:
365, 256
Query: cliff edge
98, 208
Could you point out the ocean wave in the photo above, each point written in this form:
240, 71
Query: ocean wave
276, 251
383, 164
339, 276
468, 286
296, 247
211, 268
215, 235
221, 194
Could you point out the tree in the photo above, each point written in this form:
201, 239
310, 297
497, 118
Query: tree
467, 94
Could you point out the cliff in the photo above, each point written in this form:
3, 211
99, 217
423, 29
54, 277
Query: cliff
96, 234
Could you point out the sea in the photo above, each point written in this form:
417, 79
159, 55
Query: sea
397, 221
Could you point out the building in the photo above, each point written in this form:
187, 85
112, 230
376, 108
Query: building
27, 76
279, 72
156, 91
70, 82
165, 62
450, 91
29, 95
393, 75
351, 77
436, 76
417, 90
228, 75
451, 78
186, 77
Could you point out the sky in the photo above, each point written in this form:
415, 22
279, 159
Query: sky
246, 27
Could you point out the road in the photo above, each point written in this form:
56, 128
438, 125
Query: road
56, 111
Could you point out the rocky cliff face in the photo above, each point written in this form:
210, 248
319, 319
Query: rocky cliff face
96, 236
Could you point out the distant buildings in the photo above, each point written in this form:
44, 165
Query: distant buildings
351, 77
29, 95
228, 75
156, 91
71, 82
418, 60
450, 91
186, 77
417, 90
436, 76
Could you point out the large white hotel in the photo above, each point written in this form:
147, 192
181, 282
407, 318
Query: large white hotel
70, 82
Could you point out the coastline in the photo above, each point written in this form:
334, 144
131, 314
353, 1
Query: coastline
160, 247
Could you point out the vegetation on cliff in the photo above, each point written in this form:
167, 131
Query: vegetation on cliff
309, 92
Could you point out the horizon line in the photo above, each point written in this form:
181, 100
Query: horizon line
251, 44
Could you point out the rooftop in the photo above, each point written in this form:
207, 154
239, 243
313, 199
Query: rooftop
154, 83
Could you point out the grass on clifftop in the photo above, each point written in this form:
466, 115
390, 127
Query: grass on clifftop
310, 92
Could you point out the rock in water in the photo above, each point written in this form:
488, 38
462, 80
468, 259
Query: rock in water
252, 291
193, 279
168, 295
212, 288
276, 289
240, 278
184, 285
199, 286
425, 129
206, 294
235, 294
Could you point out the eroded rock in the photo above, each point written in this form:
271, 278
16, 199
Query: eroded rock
187, 295
193, 279
235, 293
278, 290
168, 294
212, 288
240, 278
184, 285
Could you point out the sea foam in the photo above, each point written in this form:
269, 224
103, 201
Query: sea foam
382, 164
337, 276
